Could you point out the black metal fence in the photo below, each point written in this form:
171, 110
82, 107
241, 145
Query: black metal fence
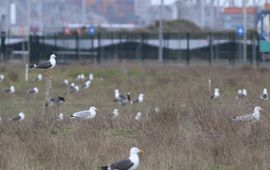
177, 47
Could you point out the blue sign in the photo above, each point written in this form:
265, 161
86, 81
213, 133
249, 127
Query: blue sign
240, 31
91, 30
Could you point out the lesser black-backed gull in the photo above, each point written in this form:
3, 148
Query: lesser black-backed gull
33, 91
57, 100
131, 163
20, 117
46, 64
9, 90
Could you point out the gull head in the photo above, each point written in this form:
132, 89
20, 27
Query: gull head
244, 92
257, 109
2, 77
264, 91
12, 88
239, 92
138, 116
92, 108
66, 82
91, 76
35, 89
216, 92
40, 76
136, 151
53, 56
141, 97
21, 114
116, 112
61, 116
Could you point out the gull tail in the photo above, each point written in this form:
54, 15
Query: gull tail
104, 168
234, 118
32, 65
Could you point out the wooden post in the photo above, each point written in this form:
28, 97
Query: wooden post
26, 72
47, 93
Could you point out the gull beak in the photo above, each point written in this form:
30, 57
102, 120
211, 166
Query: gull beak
141, 152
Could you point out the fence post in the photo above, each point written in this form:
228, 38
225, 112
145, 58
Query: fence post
234, 49
3, 45
77, 46
99, 48
188, 48
141, 47
210, 39
258, 49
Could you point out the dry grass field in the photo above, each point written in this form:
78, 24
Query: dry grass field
191, 131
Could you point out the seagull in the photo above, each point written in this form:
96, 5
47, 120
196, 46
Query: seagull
139, 99
20, 117
73, 88
216, 94
121, 98
33, 91
47, 64
60, 117
80, 77
66, 82
264, 95
2, 77
9, 90
244, 92
138, 116
115, 113
87, 84
38, 78
57, 100
157, 109
131, 163
241, 93
91, 77
255, 116
85, 114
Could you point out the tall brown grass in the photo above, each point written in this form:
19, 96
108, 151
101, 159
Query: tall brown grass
190, 131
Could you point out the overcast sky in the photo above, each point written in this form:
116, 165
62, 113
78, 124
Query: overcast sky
238, 2
165, 1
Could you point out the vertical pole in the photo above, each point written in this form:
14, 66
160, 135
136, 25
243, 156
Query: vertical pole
160, 51
258, 49
245, 30
253, 48
26, 72
188, 50
210, 37
3, 45
83, 12
99, 48
77, 46
47, 93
